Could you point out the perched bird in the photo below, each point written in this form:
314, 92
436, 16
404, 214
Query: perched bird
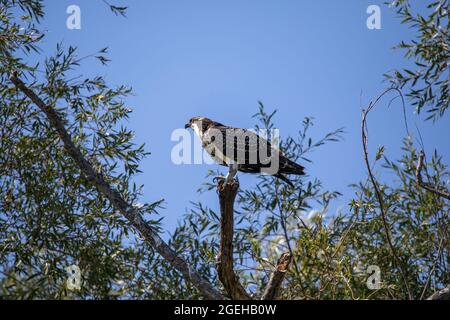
242, 150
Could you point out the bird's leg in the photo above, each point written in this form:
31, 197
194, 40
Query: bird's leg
231, 173
229, 179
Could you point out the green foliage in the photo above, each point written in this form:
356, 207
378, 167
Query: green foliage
428, 83
52, 218
332, 250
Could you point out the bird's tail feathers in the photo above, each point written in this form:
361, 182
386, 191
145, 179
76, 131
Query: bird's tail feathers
289, 182
290, 167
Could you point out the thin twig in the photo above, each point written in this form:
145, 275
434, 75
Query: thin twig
364, 133
95, 178
283, 220
432, 269
420, 183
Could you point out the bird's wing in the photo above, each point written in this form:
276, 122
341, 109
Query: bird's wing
246, 148
238, 146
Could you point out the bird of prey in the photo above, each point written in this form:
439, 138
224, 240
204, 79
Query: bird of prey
242, 150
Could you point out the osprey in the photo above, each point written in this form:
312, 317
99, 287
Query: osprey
242, 150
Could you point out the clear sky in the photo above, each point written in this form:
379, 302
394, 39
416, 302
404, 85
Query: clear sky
218, 58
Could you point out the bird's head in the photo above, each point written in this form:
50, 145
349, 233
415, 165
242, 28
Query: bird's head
199, 123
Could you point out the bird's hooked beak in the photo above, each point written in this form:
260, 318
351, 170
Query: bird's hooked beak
187, 125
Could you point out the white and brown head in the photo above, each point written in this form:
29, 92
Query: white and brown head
200, 124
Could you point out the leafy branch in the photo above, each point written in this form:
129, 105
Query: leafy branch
129, 211
364, 134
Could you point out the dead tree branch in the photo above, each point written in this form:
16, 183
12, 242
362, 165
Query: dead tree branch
127, 210
277, 277
227, 194
443, 294
420, 183
364, 134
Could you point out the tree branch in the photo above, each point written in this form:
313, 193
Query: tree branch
443, 294
420, 183
430, 272
126, 209
364, 135
227, 194
277, 277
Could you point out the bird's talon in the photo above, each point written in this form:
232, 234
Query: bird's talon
219, 179
222, 181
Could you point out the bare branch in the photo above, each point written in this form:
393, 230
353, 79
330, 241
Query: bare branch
129, 212
430, 272
420, 183
364, 134
225, 269
443, 294
277, 277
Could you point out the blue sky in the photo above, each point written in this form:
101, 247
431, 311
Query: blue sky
219, 58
